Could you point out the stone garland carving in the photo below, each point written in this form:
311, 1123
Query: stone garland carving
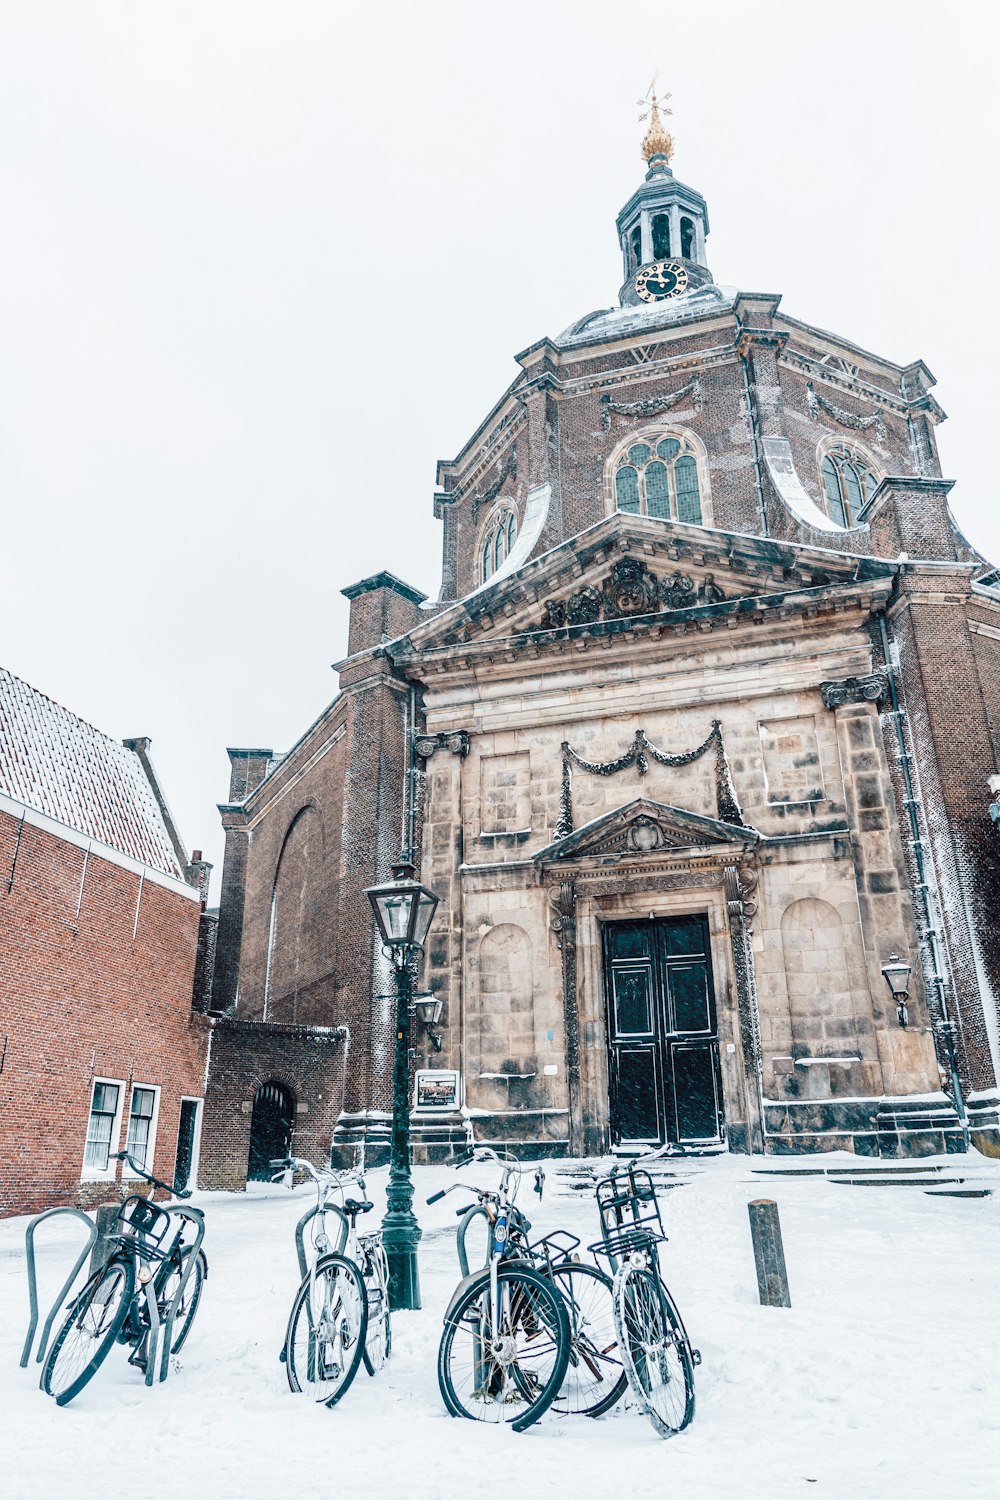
739, 885
629, 590
457, 742
651, 406
818, 403
638, 754
508, 469
871, 689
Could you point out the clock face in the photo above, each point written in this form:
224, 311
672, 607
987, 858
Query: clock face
667, 278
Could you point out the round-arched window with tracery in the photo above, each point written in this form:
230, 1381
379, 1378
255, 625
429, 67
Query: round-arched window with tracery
497, 542
849, 481
658, 476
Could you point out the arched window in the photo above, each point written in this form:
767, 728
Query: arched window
635, 243
687, 240
498, 541
658, 476
849, 481
661, 236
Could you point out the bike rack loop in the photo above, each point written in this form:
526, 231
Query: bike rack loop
300, 1228
473, 1212
196, 1217
29, 1245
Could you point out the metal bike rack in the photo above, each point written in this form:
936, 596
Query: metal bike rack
473, 1212
300, 1229
194, 1216
29, 1245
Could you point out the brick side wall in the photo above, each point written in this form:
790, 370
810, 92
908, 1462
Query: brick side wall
87, 990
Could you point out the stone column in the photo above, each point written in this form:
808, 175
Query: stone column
563, 901
739, 883
675, 230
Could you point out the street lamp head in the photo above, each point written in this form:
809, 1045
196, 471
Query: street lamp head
428, 1008
403, 908
897, 976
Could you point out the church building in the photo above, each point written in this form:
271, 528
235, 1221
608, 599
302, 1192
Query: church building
696, 747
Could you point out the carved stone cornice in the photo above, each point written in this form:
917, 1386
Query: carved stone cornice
870, 689
456, 741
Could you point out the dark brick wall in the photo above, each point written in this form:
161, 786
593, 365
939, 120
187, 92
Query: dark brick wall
246, 1054
86, 990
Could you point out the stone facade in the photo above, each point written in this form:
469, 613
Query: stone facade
742, 707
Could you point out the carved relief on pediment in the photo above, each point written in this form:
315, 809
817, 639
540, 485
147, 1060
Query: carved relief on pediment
631, 589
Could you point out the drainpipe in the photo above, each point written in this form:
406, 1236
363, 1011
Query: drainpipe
752, 418
944, 1027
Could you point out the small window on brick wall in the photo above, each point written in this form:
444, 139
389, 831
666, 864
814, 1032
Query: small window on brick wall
140, 1139
505, 794
103, 1127
791, 760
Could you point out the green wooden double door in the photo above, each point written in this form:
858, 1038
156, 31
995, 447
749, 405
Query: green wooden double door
663, 1039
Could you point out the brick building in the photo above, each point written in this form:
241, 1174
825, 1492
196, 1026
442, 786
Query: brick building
695, 746
100, 917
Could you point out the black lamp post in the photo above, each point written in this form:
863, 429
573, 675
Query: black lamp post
404, 910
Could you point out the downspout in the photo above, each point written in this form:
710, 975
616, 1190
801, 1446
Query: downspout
944, 1028
752, 418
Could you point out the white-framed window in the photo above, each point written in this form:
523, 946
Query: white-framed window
107, 1100
140, 1137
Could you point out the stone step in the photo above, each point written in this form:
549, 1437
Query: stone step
968, 1192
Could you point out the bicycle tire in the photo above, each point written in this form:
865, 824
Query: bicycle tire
92, 1323
327, 1325
519, 1386
595, 1374
378, 1335
192, 1295
654, 1348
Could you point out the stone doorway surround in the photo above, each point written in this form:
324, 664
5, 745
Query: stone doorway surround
645, 860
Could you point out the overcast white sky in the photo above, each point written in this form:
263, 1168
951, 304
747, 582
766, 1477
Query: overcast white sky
262, 264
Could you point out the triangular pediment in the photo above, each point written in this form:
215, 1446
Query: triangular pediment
630, 572
644, 827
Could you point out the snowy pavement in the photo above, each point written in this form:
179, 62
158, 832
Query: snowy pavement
880, 1382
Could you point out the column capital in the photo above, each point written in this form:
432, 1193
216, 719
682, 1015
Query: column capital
870, 689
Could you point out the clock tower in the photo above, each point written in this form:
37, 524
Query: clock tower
663, 226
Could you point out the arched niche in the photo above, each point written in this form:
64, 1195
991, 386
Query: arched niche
818, 962
502, 1015
293, 938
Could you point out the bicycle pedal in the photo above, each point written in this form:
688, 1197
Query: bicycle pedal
696, 1356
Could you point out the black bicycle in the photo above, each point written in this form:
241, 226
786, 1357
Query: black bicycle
145, 1295
656, 1351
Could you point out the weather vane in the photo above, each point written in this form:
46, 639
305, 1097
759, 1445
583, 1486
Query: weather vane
658, 144
650, 104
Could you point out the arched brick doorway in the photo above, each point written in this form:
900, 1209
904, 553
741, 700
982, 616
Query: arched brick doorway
271, 1128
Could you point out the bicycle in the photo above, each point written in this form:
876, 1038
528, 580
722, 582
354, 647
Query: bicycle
505, 1344
656, 1351
150, 1285
340, 1313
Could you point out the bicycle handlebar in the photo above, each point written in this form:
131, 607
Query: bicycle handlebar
148, 1176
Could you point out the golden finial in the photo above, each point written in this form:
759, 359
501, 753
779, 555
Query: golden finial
657, 142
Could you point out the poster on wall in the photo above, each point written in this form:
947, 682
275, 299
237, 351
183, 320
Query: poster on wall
437, 1088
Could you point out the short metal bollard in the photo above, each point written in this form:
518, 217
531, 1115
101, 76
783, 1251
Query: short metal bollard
106, 1218
772, 1278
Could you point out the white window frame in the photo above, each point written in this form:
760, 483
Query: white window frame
153, 1088
199, 1102
109, 1173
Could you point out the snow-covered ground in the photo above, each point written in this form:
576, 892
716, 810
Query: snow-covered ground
878, 1384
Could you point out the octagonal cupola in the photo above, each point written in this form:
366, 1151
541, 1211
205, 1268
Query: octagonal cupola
663, 226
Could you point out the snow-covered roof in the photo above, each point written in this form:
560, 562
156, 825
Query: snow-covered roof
61, 766
624, 322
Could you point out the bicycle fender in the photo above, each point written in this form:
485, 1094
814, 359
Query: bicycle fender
483, 1275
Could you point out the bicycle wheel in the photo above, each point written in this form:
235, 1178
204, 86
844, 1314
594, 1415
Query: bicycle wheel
91, 1326
326, 1330
184, 1316
654, 1349
511, 1373
595, 1375
378, 1338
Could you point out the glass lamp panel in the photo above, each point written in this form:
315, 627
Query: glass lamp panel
852, 487
657, 490
688, 496
395, 909
668, 448
426, 906
627, 490
831, 483
639, 453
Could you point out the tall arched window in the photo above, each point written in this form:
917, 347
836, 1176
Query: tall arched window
661, 236
635, 245
497, 542
658, 476
687, 240
849, 481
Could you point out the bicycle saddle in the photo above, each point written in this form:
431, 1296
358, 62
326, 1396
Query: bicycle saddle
352, 1207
